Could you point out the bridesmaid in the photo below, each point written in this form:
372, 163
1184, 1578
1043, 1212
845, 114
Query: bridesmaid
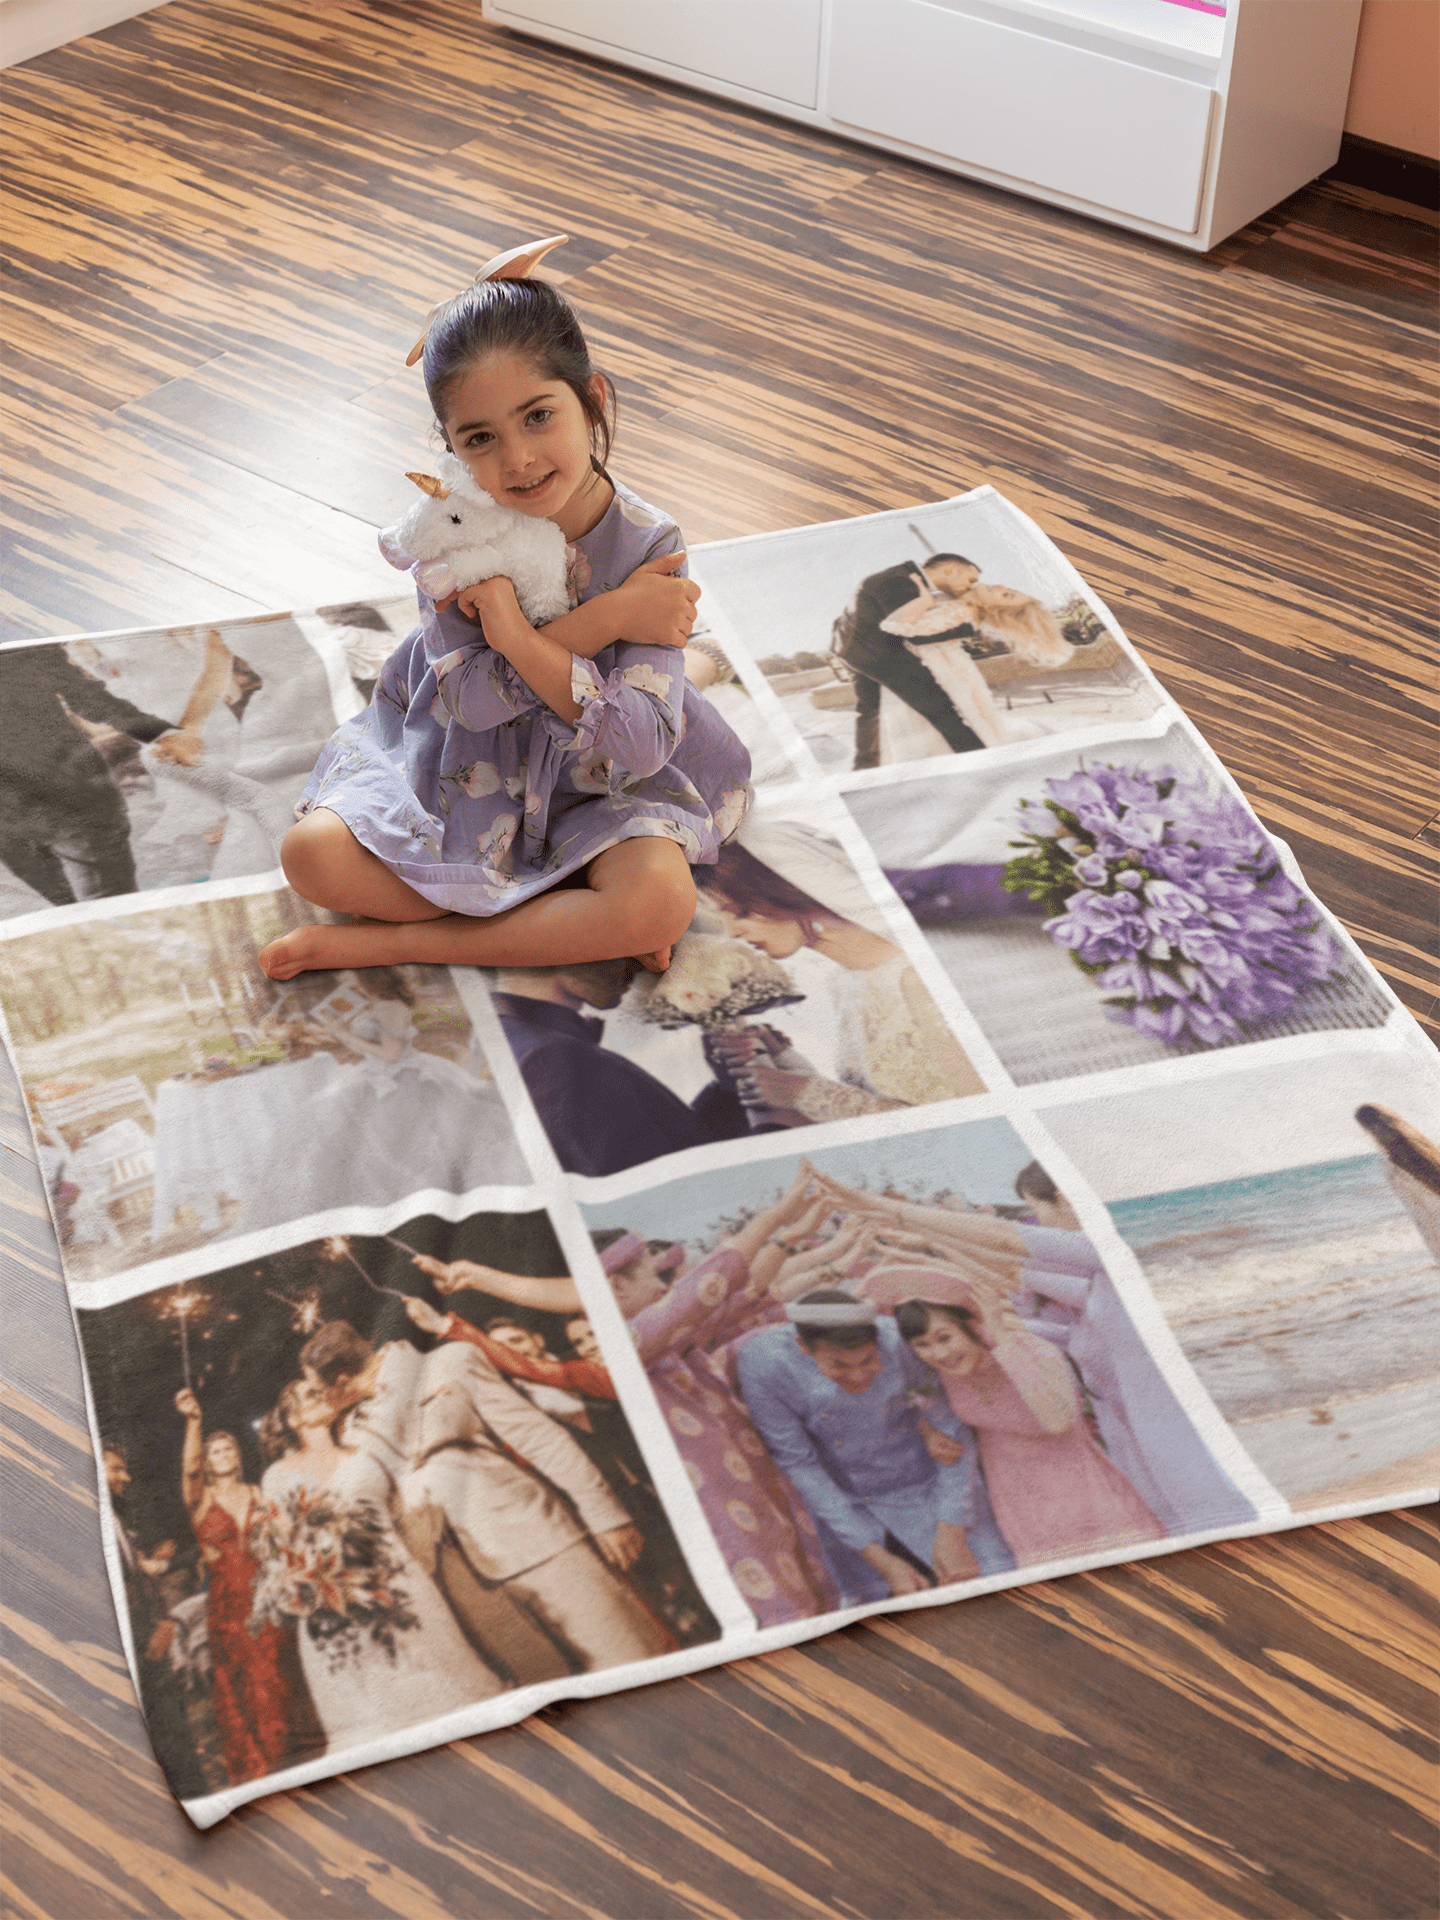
255, 1697
686, 1333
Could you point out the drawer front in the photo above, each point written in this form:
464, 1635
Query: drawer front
770, 46
1122, 137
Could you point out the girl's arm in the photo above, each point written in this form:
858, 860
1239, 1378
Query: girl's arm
652, 607
541, 661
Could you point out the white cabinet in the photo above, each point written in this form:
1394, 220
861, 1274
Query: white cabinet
769, 47
1013, 101
1173, 120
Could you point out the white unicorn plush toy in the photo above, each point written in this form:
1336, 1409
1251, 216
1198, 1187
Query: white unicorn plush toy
457, 535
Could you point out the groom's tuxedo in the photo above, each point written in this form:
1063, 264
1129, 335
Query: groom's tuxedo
883, 660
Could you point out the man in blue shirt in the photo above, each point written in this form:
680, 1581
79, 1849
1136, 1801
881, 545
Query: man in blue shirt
838, 1398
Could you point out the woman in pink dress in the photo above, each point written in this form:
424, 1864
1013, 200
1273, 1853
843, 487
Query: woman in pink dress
686, 1335
1054, 1490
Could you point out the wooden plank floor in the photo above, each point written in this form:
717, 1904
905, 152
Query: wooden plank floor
224, 220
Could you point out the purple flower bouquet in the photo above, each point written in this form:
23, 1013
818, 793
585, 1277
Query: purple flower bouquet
1171, 898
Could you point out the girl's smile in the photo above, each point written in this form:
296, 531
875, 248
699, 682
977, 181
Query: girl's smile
524, 438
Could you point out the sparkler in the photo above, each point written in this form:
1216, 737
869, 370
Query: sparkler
404, 1247
306, 1313
179, 1307
337, 1247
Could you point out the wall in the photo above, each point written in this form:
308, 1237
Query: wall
31, 27
1395, 85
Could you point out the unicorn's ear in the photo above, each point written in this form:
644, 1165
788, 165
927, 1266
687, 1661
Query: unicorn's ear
427, 483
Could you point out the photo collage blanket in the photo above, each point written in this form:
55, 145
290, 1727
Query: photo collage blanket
1017, 1170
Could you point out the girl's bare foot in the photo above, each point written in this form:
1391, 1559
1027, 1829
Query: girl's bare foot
359, 943
655, 962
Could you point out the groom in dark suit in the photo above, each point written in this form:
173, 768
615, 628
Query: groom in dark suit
880, 660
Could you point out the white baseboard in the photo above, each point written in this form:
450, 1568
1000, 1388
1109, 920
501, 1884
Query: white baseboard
28, 27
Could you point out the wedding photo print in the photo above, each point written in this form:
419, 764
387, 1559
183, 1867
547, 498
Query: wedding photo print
1112, 906
178, 1096
162, 758
1288, 1221
368, 1481
787, 1004
900, 1365
944, 629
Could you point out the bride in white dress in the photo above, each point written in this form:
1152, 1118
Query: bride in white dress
1027, 630
379, 1647
783, 887
300, 1136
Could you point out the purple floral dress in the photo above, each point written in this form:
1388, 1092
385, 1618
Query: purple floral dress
686, 1343
477, 795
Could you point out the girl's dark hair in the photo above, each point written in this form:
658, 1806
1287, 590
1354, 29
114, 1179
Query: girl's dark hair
1033, 1183
518, 316
912, 1317
958, 559
755, 888
603, 1237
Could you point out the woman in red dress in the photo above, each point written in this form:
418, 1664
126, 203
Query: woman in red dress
255, 1704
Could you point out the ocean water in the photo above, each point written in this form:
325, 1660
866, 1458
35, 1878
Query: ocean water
1292, 1291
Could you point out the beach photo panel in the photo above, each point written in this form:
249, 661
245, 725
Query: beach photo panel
1296, 1256
1113, 906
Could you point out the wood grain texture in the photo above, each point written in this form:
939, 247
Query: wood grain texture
224, 220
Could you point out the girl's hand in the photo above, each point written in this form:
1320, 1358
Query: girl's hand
186, 1403
654, 608
487, 600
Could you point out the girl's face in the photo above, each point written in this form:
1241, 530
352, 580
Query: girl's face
524, 438
222, 1456
946, 1346
778, 938
637, 1286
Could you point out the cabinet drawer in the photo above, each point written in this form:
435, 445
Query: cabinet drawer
1044, 113
769, 46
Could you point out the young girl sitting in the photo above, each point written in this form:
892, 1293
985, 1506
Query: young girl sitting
498, 762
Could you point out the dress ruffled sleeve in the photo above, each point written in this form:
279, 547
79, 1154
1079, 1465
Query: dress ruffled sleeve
632, 715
